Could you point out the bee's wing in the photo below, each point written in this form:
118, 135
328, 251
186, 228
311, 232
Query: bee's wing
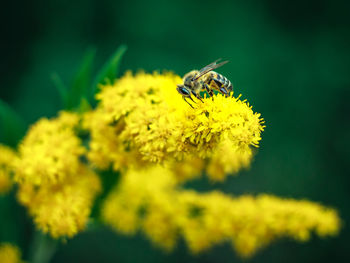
208, 68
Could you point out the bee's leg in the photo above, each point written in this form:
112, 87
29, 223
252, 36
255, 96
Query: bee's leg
187, 101
197, 96
210, 92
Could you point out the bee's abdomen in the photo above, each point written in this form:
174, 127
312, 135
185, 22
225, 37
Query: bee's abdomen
220, 81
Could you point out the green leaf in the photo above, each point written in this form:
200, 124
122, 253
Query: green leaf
84, 105
61, 88
12, 126
81, 83
110, 69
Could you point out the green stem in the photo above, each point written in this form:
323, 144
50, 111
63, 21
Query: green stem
42, 249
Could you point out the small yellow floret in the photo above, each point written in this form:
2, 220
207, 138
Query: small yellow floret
10, 254
7, 158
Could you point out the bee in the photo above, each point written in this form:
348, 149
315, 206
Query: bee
205, 79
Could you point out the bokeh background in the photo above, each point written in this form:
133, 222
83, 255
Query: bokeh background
290, 59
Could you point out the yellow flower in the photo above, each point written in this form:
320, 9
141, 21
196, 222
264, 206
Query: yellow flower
144, 117
9, 254
7, 157
106, 146
125, 204
50, 151
62, 210
151, 201
55, 186
187, 169
228, 158
252, 222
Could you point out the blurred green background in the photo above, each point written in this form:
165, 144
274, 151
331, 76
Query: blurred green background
290, 59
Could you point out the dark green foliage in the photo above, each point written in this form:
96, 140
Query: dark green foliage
12, 126
81, 85
80, 94
110, 69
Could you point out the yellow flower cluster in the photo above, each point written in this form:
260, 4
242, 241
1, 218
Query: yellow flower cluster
50, 151
150, 200
144, 129
55, 186
9, 254
106, 146
142, 117
136, 200
7, 157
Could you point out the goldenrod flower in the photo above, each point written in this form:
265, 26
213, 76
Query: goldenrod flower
187, 169
50, 151
144, 115
55, 186
251, 222
151, 201
7, 157
62, 210
10, 253
106, 146
142, 199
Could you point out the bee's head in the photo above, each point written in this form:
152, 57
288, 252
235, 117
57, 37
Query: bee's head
183, 90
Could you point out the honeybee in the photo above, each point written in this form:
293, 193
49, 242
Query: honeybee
205, 79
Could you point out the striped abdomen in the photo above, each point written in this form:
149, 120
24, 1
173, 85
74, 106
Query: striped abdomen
219, 82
